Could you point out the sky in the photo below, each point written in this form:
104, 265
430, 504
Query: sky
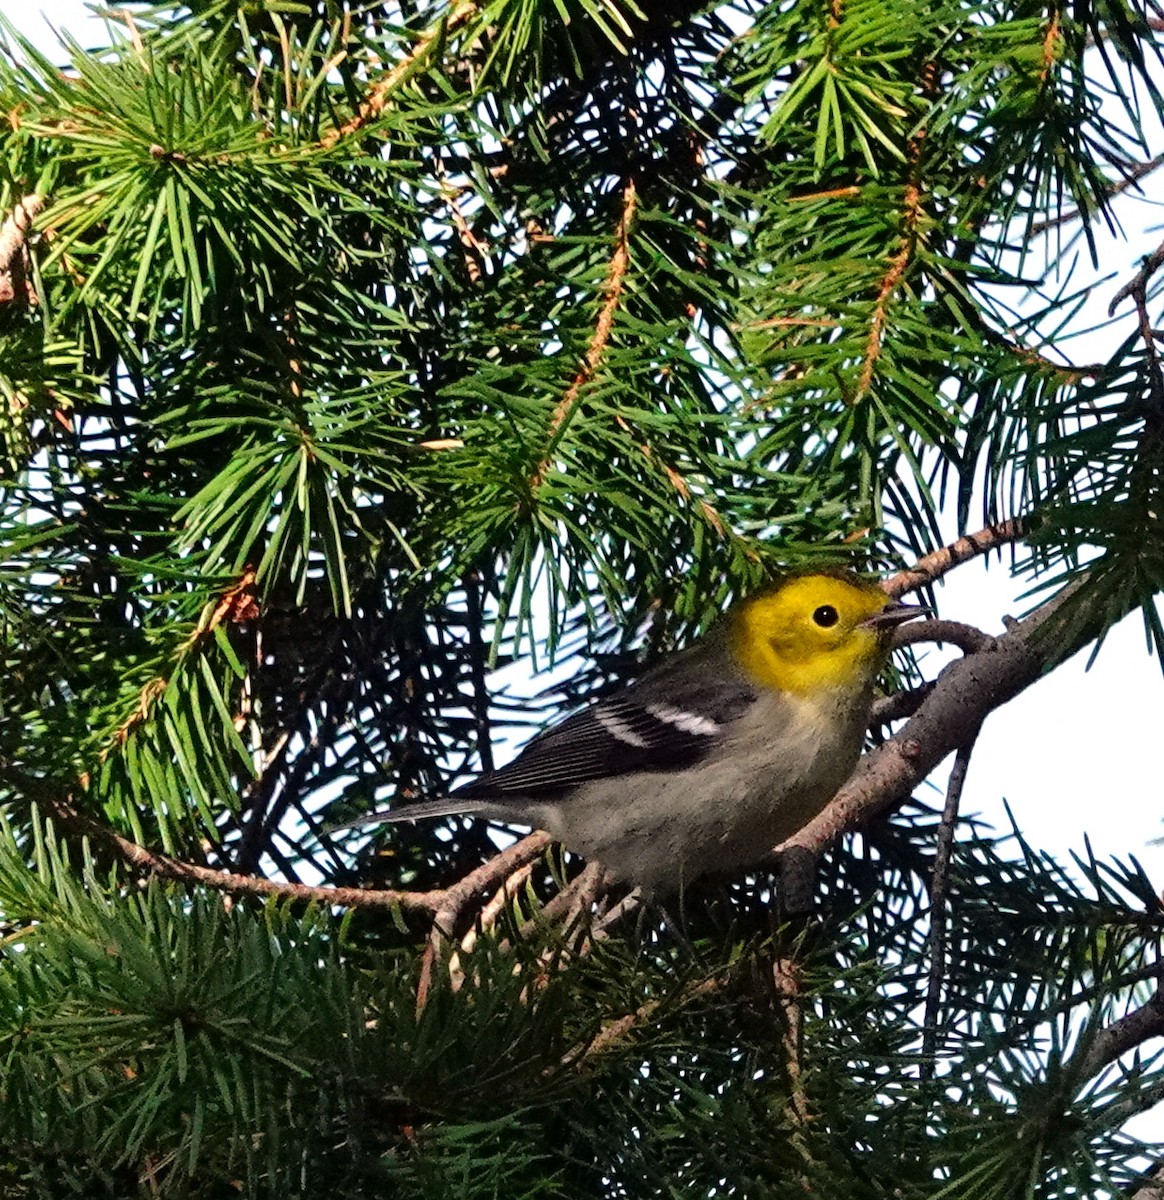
1077, 755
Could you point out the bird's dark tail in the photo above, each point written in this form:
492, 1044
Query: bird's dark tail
425, 811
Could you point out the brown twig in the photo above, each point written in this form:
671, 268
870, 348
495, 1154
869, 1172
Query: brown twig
939, 883
1051, 42
582, 896
474, 251
630, 903
613, 1032
932, 567
1132, 176
1137, 289
445, 905
968, 638
151, 862
1153, 1189
15, 286
612, 287
898, 265
786, 977
1155, 24
571, 901
837, 193
1149, 265
912, 217
453, 901
381, 91
487, 918
1067, 375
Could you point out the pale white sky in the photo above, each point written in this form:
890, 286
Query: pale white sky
1076, 754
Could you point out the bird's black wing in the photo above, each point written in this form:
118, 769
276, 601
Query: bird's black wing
634, 730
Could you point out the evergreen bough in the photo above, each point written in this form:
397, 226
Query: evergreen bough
351, 355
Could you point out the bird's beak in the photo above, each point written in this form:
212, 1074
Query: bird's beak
894, 614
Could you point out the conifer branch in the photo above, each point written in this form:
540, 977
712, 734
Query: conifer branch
786, 977
452, 902
1122, 1035
931, 567
417, 59
1137, 290
163, 866
613, 1033
487, 918
898, 265
612, 288
1132, 175
1051, 41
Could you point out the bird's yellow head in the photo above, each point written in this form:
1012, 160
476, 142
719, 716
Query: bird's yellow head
814, 634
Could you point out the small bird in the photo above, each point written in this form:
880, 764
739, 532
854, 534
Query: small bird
715, 755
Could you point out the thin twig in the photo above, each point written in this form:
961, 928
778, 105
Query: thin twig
1155, 24
381, 91
477, 653
1153, 1189
931, 567
898, 265
613, 1032
786, 977
939, 884
486, 920
968, 638
630, 903
1132, 176
164, 867
474, 252
454, 900
1051, 41
612, 287
562, 906
1137, 289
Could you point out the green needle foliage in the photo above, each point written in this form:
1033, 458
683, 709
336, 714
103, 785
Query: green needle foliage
351, 353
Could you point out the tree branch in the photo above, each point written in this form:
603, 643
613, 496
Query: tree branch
613, 1032
416, 59
932, 567
899, 705
613, 287
152, 862
898, 265
1137, 289
1122, 1035
968, 638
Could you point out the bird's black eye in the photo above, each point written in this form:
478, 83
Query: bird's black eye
826, 616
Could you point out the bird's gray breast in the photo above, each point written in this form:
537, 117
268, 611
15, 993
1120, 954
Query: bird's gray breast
777, 765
